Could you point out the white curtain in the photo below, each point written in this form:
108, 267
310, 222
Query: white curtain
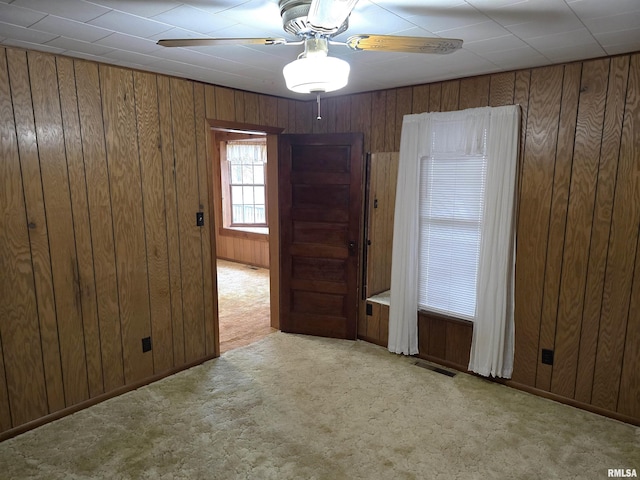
403, 302
492, 346
493, 329
247, 152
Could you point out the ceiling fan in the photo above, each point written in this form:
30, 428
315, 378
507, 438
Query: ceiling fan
315, 23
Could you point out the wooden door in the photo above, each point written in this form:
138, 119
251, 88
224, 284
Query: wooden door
320, 180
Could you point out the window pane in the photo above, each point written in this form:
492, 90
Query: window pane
236, 173
247, 195
447, 282
247, 174
237, 214
258, 174
258, 195
260, 216
236, 195
248, 214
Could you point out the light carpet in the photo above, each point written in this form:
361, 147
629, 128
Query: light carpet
296, 407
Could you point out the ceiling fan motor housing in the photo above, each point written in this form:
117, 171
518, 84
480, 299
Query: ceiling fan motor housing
294, 19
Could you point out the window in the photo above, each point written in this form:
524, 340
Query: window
243, 166
452, 187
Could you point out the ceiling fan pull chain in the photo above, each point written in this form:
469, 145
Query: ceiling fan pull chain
319, 117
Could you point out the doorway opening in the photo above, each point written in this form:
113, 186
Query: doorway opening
243, 304
244, 159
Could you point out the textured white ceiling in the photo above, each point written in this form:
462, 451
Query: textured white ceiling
498, 35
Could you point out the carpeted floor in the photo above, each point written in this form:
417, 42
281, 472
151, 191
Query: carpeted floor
243, 304
296, 407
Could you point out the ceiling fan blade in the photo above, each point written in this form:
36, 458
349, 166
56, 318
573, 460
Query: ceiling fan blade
327, 16
394, 43
208, 42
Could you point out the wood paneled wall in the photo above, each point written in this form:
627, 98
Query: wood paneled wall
243, 250
103, 170
383, 175
578, 255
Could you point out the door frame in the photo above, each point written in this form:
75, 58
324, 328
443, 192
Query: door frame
272, 134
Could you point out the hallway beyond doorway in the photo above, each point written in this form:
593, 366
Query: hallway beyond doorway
243, 304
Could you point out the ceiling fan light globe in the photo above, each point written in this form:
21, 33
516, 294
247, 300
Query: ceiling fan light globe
316, 74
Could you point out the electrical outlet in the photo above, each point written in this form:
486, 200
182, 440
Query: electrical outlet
547, 356
146, 344
199, 219
369, 309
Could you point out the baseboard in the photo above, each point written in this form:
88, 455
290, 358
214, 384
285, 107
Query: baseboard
540, 393
569, 401
25, 427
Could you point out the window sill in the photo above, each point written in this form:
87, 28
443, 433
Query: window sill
249, 233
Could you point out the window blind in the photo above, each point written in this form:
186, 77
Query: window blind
452, 184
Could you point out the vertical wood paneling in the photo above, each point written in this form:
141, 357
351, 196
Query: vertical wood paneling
458, 343
501, 89
57, 197
118, 109
373, 321
378, 120
5, 410
24, 395
521, 97
420, 98
155, 226
628, 398
535, 200
188, 204
450, 96
239, 98
617, 89
171, 217
382, 193
293, 127
343, 115
557, 219
38, 234
95, 163
577, 224
81, 224
474, 92
283, 114
361, 117
204, 173
622, 247
251, 108
268, 111
210, 101
435, 97
390, 122
404, 99
329, 111
305, 115
584, 175
244, 250
225, 104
